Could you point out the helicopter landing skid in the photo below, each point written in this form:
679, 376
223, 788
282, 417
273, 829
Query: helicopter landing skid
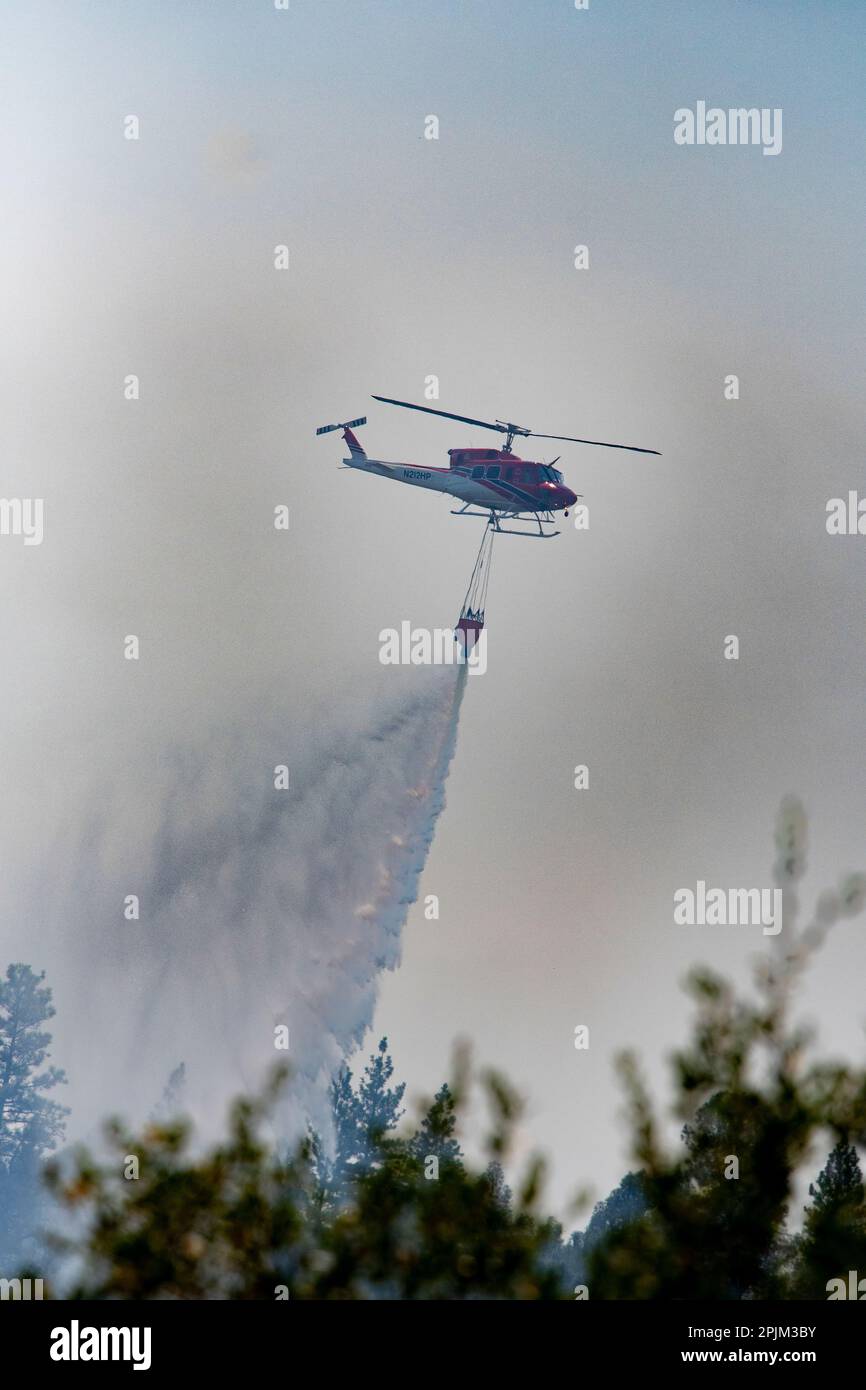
493, 522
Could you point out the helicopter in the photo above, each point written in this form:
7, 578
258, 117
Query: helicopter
503, 486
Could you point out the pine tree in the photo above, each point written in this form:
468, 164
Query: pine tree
362, 1117
833, 1239
435, 1138
345, 1116
626, 1203
840, 1182
499, 1187
171, 1100
321, 1174
31, 1125
378, 1102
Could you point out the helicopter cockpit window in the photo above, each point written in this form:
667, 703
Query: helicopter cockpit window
478, 472
508, 474
493, 471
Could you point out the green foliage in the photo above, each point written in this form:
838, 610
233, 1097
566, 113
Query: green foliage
224, 1225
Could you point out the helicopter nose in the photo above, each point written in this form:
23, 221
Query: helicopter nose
568, 497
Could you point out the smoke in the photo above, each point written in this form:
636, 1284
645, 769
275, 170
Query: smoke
259, 906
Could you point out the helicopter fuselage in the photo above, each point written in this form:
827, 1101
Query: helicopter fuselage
492, 479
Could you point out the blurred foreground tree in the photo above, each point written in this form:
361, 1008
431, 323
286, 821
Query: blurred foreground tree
242, 1223
707, 1221
752, 1107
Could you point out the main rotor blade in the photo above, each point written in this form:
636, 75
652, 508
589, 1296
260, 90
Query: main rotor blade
428, 410
516, 429
632, 448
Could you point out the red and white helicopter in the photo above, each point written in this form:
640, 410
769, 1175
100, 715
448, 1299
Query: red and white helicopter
508, 488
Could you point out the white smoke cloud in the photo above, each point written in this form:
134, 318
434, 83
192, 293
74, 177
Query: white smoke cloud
258, 906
